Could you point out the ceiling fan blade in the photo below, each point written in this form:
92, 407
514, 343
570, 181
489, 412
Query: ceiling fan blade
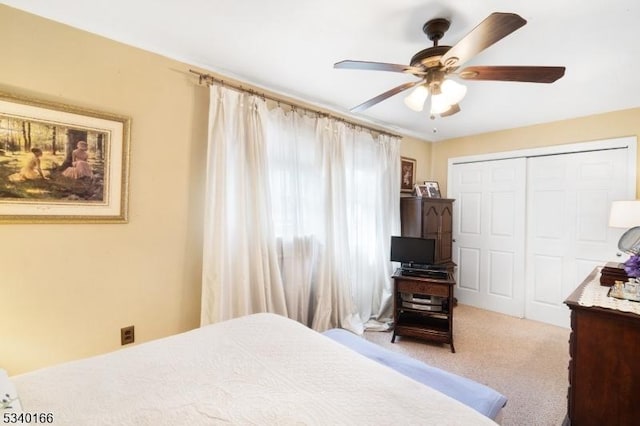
381, 97
494, 28
455, 108
531, 74
377, 66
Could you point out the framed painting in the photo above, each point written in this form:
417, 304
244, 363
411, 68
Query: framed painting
408, 176
62, 164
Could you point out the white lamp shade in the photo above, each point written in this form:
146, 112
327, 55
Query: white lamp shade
439, 104
624, 214
453, 91
416, 99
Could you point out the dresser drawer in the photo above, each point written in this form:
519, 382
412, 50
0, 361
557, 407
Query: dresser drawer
432, 289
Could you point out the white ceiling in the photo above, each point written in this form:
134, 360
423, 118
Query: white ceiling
290, 46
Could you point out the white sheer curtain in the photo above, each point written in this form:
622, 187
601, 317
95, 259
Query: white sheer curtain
335, 194
240, 266
298, 217
373, 179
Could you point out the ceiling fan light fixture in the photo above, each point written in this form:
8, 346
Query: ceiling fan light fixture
417, 98
436, 64
453, 91
439, 104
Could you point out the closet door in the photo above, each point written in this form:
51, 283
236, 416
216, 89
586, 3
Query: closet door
489, 226
568, 201
561, 207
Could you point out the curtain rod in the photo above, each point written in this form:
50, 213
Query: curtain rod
209, 79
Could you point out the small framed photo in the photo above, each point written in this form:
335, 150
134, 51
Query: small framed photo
421, 190
408, 174
432, 189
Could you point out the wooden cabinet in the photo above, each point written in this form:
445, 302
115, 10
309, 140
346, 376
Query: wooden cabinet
604, 366
411, 321
429, 218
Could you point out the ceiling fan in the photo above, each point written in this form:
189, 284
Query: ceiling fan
437, 64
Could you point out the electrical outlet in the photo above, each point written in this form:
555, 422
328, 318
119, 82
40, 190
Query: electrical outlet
127, 335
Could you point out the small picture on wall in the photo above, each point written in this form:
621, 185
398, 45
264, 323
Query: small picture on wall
432, 189
408, 177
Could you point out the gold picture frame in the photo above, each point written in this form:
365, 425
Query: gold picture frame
408, 174
62, 164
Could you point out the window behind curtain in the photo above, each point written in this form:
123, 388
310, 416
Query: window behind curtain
331, 198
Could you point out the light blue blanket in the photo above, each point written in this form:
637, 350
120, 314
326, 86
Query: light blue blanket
477, 396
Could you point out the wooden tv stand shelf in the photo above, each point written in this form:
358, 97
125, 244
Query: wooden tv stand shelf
429, 325
604, 369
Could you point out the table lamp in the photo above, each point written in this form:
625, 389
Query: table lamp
623, 214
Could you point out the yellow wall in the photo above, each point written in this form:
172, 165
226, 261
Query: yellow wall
597, 127
421, 152
66, 290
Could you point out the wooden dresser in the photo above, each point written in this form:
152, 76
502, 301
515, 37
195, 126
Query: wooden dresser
604, 370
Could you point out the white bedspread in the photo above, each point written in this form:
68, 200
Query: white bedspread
261, 369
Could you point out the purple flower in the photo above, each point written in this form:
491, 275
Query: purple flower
632, 266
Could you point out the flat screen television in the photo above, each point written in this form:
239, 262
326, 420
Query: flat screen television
413, 252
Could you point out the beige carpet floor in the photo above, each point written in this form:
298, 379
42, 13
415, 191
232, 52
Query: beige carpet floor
525, 360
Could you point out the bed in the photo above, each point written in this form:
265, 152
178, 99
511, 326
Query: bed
481, 398
261, 369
